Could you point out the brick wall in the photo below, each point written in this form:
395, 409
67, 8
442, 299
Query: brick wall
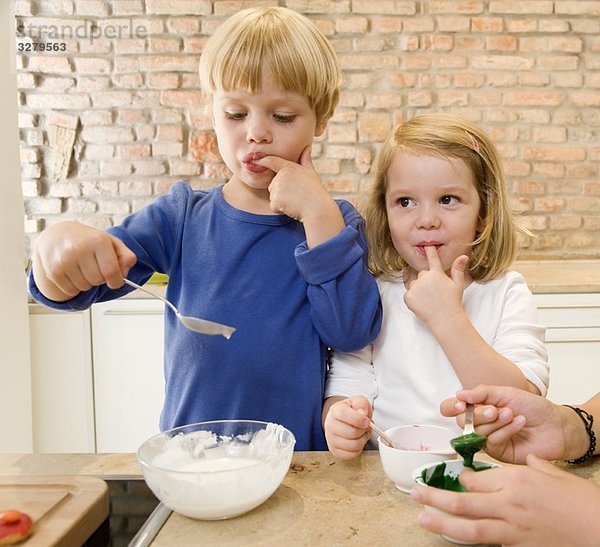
116, 118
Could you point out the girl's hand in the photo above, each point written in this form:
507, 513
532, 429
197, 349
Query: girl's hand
70, 257
347, 427
516, 506
435, 297
298, 192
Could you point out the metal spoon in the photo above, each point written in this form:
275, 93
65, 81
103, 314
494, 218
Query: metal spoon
193, 323
469, 442
391, 442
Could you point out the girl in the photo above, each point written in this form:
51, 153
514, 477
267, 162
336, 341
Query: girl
441, 237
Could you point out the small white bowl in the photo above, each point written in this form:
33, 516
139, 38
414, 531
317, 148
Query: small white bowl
421, 444
453, 469
217, 470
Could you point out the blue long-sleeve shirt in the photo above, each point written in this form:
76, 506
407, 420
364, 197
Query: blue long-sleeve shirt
253, 272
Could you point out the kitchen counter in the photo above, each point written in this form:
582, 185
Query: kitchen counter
542, 276
322, 501
560, 276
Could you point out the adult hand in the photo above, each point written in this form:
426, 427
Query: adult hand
70, 257
532, 505
435, 295
518, 422
347, 426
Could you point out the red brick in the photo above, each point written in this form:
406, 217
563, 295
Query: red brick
183, 25
579, 7
502, 62
501, 43
565, 222
456, 6
354, 24
454, 24
383, 6
341, 133
178, 7
373, 127
554, 153
163, 80
181, 98
539, 7
487, 24
585, 98
550, 134
96, 8
548, 204
534, 98
203, 145
127, 7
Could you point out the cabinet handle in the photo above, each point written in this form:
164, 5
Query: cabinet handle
559, 306
133, 312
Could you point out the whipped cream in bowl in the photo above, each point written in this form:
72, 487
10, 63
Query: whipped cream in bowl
217, 470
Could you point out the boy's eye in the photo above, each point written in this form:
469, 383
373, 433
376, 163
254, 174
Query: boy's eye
449, 200
235, 115
285, 118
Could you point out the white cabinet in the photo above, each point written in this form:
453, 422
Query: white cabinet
61, 380
97, 376
127, 342
573, 343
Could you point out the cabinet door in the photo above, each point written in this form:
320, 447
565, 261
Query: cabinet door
573, 343
61, 380
127, 337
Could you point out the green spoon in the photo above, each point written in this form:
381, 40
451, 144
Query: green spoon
469, 443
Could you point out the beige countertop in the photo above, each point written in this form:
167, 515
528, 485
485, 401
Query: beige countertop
322, 501
542, 276
560, 276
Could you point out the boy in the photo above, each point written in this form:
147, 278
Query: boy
269, 252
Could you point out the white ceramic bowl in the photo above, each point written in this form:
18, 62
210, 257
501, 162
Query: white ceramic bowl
421, 444
453, 469
217, 470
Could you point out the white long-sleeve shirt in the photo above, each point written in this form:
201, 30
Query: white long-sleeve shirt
405, 373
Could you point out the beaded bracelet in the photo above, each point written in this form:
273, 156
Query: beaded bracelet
588, 421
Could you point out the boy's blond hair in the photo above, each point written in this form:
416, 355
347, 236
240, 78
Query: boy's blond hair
295, 51
444, 135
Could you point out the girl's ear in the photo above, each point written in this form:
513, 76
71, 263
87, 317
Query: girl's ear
320, 129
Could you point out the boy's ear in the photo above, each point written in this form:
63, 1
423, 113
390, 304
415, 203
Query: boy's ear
320, 129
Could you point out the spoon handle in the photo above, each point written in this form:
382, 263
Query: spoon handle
469, 420
139, 287
383, 435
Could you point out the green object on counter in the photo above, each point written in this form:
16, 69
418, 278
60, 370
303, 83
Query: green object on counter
158, 279
467, 446
439, 479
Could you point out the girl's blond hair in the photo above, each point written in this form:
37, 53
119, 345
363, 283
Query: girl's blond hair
444, 135
295, 51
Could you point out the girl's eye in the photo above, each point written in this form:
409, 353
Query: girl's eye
404, 202
449, 200
235, 115
285, 118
